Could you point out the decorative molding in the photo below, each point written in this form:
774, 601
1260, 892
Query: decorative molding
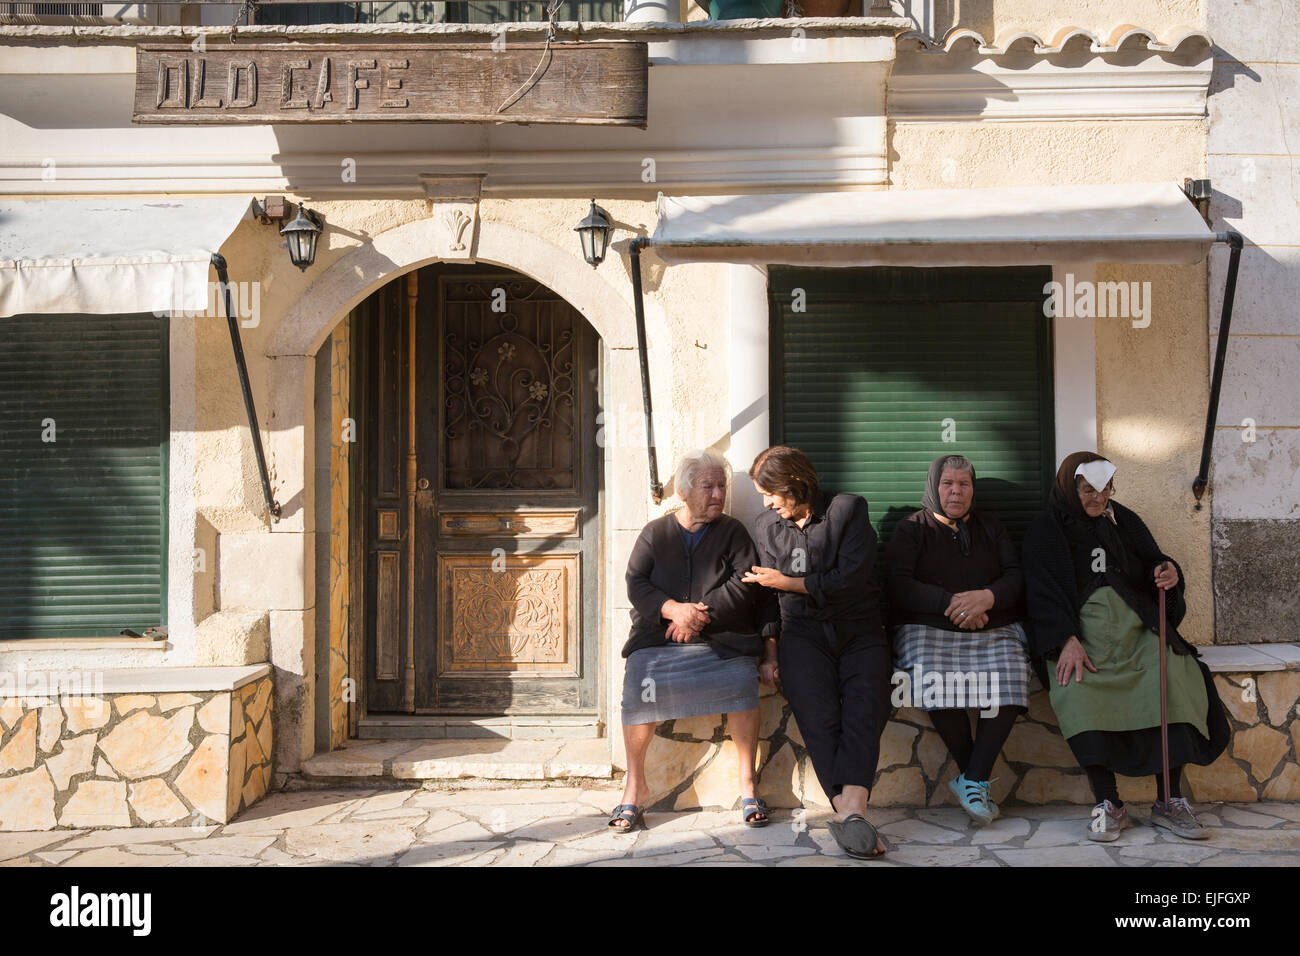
401, 174
1126, 37
957, 87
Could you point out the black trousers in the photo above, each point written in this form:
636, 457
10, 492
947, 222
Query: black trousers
836, 678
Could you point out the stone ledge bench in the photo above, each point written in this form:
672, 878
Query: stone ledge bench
691, 763
159, 746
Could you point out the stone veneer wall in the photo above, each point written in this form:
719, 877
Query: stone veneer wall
692, 763
122, 760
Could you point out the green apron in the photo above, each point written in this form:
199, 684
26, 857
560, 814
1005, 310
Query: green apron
1124, 694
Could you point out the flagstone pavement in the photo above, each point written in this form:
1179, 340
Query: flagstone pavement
567, 827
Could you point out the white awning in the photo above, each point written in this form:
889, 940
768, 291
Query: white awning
105, 256
1145, 222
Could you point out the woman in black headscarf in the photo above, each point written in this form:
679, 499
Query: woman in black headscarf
955, 595
1092, 570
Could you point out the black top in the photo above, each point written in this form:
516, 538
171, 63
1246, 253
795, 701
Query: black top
925, 567
834, 553
661, 568
1061, 559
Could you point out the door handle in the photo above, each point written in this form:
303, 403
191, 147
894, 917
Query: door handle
422, 484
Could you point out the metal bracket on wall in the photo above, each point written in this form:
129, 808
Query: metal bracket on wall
656, 486
1234, 241
219, 263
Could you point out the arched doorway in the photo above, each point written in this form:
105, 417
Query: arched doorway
476, 495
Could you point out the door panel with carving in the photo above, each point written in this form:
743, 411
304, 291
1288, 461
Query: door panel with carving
504, 495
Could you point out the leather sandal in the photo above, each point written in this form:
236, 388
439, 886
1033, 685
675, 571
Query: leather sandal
751, 808
632, 814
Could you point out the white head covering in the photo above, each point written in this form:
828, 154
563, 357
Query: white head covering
1096, 473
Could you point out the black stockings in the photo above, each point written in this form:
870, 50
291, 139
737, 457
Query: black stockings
975, 757
1104, 787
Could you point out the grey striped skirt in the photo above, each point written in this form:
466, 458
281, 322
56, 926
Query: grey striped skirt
974, 668
686, 680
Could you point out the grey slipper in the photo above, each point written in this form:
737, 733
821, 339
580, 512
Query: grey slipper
856, 837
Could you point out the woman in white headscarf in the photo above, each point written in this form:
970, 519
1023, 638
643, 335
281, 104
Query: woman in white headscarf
1092, 570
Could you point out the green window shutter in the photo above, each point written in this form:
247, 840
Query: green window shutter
83, 518
867, 373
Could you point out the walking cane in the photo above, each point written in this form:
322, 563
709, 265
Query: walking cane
1164, 702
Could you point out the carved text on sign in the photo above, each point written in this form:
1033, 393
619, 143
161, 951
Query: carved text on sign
580, 82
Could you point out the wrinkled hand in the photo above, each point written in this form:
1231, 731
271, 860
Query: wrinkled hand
1166, 576
680, 634
974, 622
969, 604
685, 620
1073, 660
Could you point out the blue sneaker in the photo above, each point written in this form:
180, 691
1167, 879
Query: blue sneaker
973, 795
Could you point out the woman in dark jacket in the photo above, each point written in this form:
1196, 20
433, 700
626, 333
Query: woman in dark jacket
1092, 570
956, 601
695, 641
831, 660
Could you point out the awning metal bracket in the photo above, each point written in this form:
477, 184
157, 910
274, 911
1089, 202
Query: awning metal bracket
219, 263
656, 486
1234, 241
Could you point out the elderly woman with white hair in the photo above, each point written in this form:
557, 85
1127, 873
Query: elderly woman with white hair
694, 643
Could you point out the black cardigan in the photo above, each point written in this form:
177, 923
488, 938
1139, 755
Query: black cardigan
1058, 580
661, 569
925, 567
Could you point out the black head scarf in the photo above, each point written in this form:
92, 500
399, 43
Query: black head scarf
931, 503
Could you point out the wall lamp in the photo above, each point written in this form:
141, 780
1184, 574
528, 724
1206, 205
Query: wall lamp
300, 233
593, 232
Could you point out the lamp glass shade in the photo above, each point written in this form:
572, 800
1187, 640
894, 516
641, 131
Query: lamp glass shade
593, 232
301, 235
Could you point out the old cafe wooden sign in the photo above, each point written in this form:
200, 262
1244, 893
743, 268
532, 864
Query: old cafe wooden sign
590, 83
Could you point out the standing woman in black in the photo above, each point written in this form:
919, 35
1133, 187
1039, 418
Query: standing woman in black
831, 661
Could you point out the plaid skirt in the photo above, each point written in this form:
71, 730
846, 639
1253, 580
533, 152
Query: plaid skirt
686, 680
973, 668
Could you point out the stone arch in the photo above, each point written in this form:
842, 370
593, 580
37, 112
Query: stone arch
363, 270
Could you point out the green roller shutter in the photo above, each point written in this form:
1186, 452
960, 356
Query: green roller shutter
83, 518
880, 362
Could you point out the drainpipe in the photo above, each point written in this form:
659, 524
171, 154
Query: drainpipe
219, 263
1234, 241
656, 487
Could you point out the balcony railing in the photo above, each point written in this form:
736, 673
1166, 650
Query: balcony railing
300, 13
451, 11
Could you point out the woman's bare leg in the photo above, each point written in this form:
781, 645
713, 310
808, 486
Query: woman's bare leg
636, 741
743, 727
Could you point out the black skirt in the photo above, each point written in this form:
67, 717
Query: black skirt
1136, 753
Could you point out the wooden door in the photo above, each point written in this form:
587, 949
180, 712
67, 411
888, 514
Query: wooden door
485, 563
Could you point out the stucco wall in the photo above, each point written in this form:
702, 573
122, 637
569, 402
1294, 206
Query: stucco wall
1255, 481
